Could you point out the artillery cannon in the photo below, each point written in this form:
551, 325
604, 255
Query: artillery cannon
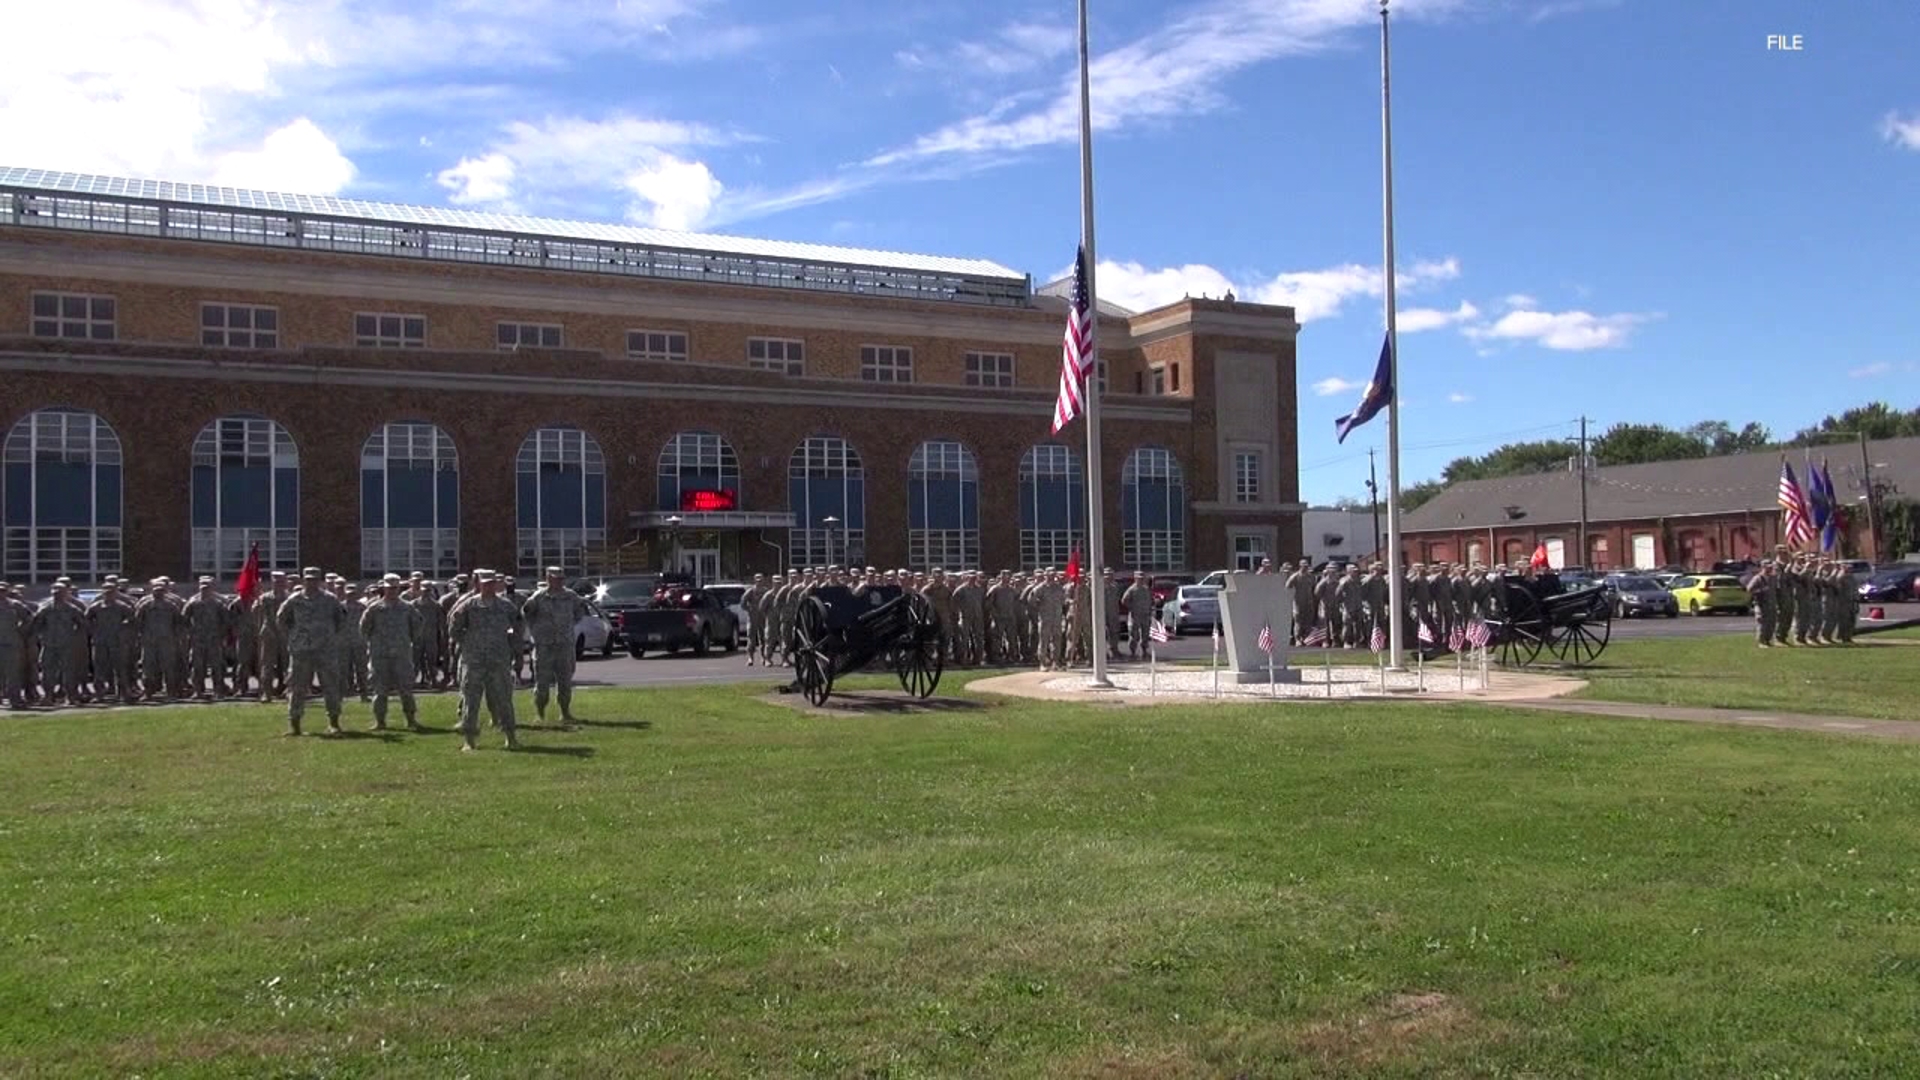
837, 631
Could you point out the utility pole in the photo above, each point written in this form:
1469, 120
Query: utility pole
1873, 513
1585, 554
1373, 491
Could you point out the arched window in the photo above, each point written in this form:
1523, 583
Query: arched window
825, 479
61, 507
409, 501
696, 461
1153, 511
246, 491
1053, 505
561, 494
943, 507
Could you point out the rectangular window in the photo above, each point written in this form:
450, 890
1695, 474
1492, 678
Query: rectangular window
1246, 477
1102, 370
989, 369
886, 363
1157, 379
520, 335
1173, 378
81, 316
782, 356
1249, 551
239, 326
656, 345
374, 330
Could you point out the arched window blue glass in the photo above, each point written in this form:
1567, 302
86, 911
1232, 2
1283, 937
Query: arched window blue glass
246, 491
1153, 511
409, 501
825, 479
560, 492
1053, 505
696, 461
60, 511
943, 507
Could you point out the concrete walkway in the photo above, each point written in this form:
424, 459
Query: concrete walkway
1897, 730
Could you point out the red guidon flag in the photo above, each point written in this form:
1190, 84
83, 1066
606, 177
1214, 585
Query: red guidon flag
1073, 566
247, 585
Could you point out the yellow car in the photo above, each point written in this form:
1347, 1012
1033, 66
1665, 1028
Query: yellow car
1703, 594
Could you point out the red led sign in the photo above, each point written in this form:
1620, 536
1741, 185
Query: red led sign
708, 502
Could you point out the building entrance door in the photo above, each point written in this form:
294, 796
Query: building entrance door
702, 563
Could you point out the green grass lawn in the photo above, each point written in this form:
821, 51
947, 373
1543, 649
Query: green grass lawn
1873, 678
720, 887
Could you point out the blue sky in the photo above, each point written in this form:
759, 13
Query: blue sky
1623, 208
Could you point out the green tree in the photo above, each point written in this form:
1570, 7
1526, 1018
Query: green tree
1636, 444
1352, 503
1877, 419
1719, 437
1414, 496
1513, 459
1899, 528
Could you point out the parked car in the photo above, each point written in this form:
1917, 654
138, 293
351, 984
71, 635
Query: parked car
1892, 585
694, 619
1192, 607
615, 596
1638, 595
1704, 594
1860, 570
730, 594
1163, 586
593, 633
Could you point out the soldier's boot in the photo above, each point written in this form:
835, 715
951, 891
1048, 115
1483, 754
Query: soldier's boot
565, 696
333, 726
513, 740
540, 703
413, 723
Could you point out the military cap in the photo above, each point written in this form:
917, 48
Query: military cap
484, 575
281, 574
390, 579
62, 584
554, 571
460, 578
312, 573
419, 575
205, 580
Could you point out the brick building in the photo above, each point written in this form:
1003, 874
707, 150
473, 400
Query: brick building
190, 371
1670, 513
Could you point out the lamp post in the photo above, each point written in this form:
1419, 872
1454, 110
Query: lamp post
832, 525
673, 541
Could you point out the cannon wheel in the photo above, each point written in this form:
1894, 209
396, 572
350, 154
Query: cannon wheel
1522, 628
918, 658
812, 668
1585, 638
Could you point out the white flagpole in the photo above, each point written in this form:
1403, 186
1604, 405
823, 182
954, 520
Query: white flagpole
1096, 518
1422, 654
1381, 658
1395, 598
1216, 663
1153, 674
1460, 669
1273, 688
1329, 668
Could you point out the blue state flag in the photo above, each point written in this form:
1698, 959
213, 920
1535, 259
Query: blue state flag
1830, 527
1378, 395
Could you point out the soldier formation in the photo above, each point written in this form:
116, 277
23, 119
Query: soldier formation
1342, 608
296, 639
1803, 599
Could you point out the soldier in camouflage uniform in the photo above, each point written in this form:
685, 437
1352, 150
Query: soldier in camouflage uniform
110, 618
269, 643
766, 615
427, 646
14, 617
158, 621
484, 630
1137, 601
1373, 596
1784, 590
1763, 590
1301, 584
1353, 608
550, 615
353, 646
392, 628
756, 626
940, 594
60, 625
245, 635
206, 642
311, 621
462, 588
1050, 607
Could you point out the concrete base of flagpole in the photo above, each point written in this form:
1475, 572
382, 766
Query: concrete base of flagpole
1101, 684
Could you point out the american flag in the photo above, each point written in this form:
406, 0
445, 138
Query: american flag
1426, 633
1457, 639
1158, 632
1795, 523
1315, 636
1076, 357
1479, 634
1379, 639
1266, 640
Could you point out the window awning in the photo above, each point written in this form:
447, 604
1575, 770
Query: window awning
732, 519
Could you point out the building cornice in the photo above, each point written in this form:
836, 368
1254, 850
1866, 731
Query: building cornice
1033, 405
1249, 509
1183, 319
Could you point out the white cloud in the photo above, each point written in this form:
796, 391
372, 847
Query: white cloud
1871, 370
1570, 331
1521, 301
1018, 47
1458, 398
1415, 320
570, 157
1313, 294
1174, 71
1902, 131
1335, 385
297, 158
674, 194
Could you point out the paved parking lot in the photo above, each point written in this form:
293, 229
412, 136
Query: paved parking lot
658, 670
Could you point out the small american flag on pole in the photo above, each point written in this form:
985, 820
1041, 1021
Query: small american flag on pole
1158, 632
1479, 634
1076, 355
1426, 634
1378, 641
1457, 639
1266, 640
1316, 636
